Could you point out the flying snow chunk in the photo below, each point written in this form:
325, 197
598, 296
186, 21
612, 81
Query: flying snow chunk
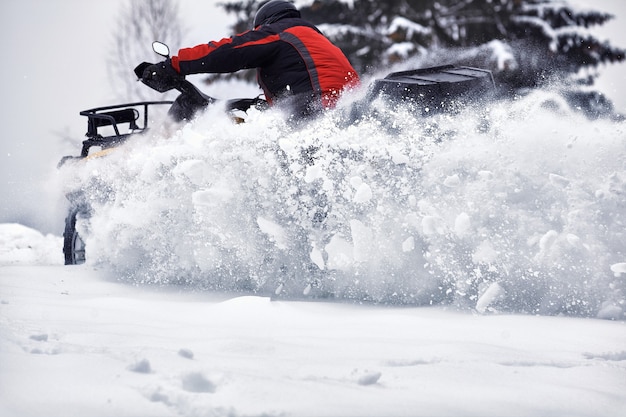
274, 231
363, 194
485, 175
339, 253
355, 182
547, 240
362, 238
574, 240
212, 197
610, 311
559, 180
398, 157
484, 253
313, 173
317, 257
192, 169
408, 245
430, 225
619, 269
452, 181
462, 225
493, 293
412, 220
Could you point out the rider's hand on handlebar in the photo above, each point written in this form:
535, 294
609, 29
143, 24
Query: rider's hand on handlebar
161, 76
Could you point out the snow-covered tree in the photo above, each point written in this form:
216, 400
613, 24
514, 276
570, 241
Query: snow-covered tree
526, 43
140, 23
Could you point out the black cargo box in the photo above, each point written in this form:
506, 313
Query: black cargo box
436, 88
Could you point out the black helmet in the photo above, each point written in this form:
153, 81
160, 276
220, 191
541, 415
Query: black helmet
273, 11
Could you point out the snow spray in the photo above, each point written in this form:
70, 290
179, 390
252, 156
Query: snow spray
516, 206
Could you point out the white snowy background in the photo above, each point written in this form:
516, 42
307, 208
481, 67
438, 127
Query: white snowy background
463, 267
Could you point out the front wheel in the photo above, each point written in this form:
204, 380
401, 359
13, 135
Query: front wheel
73, 244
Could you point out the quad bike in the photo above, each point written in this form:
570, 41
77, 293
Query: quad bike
430, 90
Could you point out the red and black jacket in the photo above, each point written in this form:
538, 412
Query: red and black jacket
292, 57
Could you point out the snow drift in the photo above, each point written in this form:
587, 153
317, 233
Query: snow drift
516, 206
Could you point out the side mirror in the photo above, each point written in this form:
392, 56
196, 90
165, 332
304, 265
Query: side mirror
161, 48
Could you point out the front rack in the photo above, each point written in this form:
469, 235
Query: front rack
114, 116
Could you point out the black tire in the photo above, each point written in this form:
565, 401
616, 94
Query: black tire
73, 244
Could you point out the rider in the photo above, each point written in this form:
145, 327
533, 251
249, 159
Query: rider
296, 65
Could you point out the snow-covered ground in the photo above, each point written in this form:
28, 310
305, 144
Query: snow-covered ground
76, 342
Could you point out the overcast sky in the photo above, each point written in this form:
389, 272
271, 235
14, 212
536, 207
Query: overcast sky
55, 52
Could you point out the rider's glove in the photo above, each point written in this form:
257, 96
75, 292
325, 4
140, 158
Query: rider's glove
161, 76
